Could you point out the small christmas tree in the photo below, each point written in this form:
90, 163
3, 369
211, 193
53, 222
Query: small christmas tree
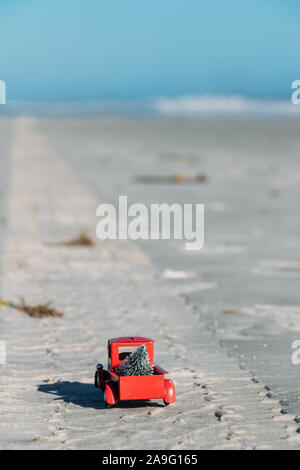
136, 363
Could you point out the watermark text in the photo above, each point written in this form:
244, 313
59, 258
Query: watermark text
161, 222
296, 94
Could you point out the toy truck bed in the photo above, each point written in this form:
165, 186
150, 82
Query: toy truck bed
142, 387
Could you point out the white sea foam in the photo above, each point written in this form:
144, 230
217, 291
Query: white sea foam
219, 105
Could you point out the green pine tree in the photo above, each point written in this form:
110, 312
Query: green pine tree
136, 363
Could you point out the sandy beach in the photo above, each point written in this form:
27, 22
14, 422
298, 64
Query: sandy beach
224, 318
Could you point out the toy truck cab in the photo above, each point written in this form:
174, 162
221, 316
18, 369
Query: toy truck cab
143, 387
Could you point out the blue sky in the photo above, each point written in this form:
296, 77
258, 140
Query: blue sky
96, 49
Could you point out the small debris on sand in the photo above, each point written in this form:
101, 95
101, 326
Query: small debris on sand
38, 311
230, 312
82, 240
219, 414
179, 178
201, 178
176, 178
171, 274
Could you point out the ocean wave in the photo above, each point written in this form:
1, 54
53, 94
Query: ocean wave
207, 105
187, 107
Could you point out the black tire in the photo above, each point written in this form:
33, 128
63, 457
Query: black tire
96, 382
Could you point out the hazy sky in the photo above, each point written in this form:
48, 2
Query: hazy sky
93, 49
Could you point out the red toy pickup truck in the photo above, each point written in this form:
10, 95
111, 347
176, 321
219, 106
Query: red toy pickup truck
143, 387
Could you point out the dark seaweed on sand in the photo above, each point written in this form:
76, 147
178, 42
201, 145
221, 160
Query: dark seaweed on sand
82, 240
176, 178
37, 311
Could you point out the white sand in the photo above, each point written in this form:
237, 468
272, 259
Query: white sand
47, 398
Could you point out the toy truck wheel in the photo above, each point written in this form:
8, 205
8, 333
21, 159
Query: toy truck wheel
107, 405
110, 397
100, 377
97, 385
169, 392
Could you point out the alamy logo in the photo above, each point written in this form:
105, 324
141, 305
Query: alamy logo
2, 92
162, 222
295, 95
296, 354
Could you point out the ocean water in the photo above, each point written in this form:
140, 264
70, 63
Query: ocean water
185, 106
